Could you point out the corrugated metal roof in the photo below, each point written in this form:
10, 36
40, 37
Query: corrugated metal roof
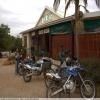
85, 16
48, 24
92, 14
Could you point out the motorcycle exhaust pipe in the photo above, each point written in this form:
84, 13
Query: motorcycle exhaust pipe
56, 92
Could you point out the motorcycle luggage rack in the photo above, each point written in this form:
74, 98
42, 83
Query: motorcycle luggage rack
46, 65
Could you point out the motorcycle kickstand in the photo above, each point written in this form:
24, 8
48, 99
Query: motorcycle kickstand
68, 92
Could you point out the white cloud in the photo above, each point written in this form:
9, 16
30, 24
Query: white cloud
23, 14
91, 7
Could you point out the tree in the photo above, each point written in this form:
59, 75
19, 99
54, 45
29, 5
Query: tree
77, 11
18, 43
8, 42
4, 30
98, 3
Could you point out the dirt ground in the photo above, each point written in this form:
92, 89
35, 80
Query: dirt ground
12, 85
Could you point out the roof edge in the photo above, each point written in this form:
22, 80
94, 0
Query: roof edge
58, 15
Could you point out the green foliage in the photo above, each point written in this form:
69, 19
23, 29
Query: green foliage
17, 43
93, 67
4, 30
8, 42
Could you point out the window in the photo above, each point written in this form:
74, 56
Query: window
47, 18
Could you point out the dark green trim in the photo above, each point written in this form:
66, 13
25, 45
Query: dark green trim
64, 33
64, 27
91, 25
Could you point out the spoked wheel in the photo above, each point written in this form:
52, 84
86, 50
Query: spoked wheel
51, 90
47, 79
88, 89
25, 77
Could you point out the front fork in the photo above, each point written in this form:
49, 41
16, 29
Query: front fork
82, 81
63, 88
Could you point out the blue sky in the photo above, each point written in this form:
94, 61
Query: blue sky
23, 14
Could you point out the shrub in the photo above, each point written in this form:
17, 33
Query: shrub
11, 59
93, 67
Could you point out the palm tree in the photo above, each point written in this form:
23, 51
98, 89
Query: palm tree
98, 3
77, 11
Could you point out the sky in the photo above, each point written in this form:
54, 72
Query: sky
21, 15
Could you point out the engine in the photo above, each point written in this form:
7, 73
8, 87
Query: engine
71, 85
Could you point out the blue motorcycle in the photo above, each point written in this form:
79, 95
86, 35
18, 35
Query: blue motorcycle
61, 85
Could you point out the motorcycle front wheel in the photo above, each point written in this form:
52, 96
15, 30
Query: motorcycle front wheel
25, 77
88, 89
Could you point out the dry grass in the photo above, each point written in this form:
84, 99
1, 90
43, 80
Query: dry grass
7, 61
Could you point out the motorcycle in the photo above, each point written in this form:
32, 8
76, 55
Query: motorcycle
61, 85
37, 68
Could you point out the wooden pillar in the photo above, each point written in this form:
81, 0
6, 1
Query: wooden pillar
73, 39
44, 42
29, 40
50, 45
37, 39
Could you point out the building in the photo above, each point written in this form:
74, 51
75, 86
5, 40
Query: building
51, 32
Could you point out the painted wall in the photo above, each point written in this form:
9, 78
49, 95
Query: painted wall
89, 44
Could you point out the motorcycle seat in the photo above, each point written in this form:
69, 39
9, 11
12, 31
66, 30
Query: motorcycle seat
54, 75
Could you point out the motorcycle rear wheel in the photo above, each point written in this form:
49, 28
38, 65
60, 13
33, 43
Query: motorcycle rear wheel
25, 77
